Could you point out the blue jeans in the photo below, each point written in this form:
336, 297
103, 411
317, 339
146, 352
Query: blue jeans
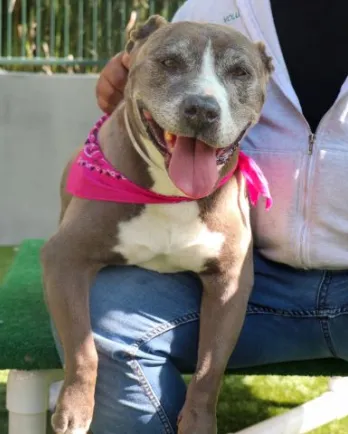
146, 332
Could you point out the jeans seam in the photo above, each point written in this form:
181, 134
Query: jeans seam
324, 313
321, 303
136, 367
162, 328
325, 327
323, 289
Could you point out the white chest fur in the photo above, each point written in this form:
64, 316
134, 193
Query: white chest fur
168, 238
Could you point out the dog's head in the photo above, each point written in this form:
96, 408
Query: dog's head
193, 90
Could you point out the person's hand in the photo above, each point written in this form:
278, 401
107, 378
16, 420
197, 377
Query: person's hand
112, 81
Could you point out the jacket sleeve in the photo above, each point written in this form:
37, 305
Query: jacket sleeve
186, 12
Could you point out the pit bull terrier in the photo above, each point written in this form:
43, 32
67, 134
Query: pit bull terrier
161, 184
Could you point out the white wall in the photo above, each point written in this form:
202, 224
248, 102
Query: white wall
42, 119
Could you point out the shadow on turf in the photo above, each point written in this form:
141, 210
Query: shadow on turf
239, 408
3, 412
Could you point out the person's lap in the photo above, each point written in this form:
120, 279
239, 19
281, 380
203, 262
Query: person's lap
146, 331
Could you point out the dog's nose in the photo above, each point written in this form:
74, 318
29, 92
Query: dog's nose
200, 110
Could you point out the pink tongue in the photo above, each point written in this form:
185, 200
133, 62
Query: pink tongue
193, 168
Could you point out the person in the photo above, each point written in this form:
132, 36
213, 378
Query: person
146, 324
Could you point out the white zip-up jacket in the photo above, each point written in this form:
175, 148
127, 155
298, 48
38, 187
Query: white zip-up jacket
307, 226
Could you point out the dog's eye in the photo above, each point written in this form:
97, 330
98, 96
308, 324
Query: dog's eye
237, 71
170, 63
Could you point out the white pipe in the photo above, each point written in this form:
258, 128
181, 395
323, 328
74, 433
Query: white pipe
27, 401
304, 418
27, 394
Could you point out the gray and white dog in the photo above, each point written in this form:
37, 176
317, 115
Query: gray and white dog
193, 91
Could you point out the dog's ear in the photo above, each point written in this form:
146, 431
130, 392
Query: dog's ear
143, 31
266, 60
131, 24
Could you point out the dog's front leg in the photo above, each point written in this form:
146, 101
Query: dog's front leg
67, 282
223, 308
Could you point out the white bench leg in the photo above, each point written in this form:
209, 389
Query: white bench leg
27, 400
330, 406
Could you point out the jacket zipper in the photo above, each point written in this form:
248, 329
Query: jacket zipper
311, 143
311, 140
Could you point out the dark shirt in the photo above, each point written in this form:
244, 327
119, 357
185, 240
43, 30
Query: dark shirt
313, 36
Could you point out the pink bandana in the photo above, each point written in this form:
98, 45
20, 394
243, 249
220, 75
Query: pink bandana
92, 177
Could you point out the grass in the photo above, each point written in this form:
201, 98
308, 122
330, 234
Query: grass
243, 400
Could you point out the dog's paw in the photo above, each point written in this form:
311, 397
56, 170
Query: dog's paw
192, 421
74, 411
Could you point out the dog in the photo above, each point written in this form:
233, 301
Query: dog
160, 184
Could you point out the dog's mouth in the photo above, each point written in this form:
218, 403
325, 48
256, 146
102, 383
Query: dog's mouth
192, 164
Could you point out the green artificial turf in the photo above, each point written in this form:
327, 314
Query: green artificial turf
244, 400
25, 336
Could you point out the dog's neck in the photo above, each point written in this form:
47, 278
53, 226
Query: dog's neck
134, 155
154, 159
119, 151
138, 147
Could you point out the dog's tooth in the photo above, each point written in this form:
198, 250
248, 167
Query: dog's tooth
168, 136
